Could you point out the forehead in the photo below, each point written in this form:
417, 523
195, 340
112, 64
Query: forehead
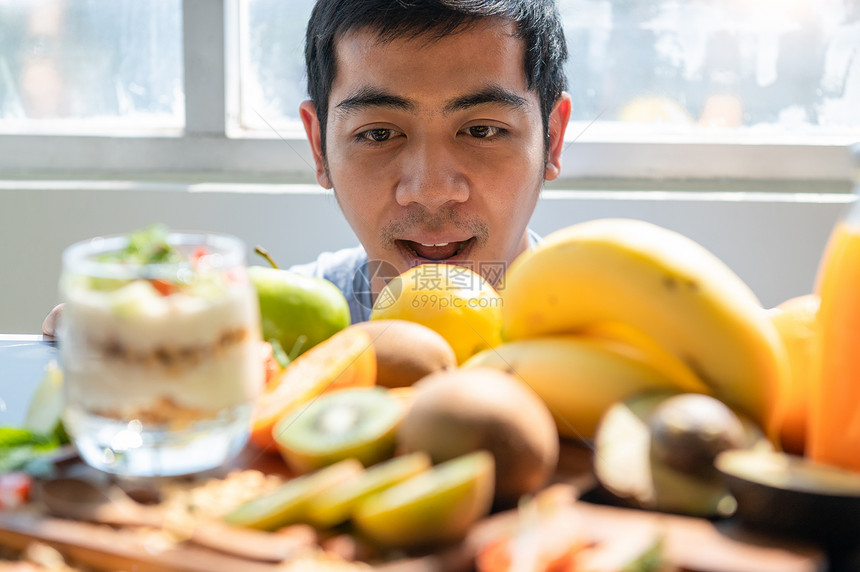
488, 50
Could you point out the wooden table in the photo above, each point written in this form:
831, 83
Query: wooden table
692, 544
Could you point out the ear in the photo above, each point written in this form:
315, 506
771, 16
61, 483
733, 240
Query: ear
308, 113
558, 120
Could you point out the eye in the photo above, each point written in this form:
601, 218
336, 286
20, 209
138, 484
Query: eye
378, 135
483, 131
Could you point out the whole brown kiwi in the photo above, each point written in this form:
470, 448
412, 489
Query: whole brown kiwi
406, 351
458, 411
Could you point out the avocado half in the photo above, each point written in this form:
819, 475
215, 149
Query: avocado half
793, 496
627, 467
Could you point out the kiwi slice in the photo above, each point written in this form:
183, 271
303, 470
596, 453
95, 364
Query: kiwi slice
437, 506
288, 503
337, 504
355, 423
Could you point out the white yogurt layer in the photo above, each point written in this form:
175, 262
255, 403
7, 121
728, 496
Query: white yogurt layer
133, 348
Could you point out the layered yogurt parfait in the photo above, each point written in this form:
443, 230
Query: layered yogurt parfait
160, 349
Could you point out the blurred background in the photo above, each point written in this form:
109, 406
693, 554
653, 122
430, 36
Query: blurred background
750, 65
728, 120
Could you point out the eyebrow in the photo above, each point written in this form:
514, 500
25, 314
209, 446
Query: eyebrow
373, 97
491, 94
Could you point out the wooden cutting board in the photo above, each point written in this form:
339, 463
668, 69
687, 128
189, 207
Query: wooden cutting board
111, 549
620, 534
690, 544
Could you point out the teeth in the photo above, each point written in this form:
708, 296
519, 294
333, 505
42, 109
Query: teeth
440, 244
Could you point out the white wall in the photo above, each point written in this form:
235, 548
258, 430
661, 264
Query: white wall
37, 222
773, 241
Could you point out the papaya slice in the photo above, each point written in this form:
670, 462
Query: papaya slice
346, 359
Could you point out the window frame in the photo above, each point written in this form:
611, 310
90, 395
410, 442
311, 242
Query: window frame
213, 144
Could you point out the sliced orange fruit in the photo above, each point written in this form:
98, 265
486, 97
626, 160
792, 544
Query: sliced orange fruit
346, 359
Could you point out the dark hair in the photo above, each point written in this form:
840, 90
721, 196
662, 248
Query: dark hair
538, 24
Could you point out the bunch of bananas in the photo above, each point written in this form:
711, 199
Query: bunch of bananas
605, 309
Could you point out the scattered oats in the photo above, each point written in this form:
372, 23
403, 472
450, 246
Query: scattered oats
214, 498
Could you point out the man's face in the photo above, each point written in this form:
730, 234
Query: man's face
435, 149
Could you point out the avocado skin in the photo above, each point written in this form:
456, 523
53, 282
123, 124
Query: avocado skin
828, 519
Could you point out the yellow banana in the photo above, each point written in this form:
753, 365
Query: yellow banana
635, 343
580, 377
657, 282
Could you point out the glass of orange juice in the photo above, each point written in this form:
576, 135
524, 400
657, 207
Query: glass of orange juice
834, 424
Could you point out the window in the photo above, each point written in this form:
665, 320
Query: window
782, 68
774, 68
272, 79
90, 65
685, 89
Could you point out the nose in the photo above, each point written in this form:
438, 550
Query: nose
431, 176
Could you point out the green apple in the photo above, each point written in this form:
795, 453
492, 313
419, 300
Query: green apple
298, 311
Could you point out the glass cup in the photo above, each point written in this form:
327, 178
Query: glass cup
160, 352
833, 429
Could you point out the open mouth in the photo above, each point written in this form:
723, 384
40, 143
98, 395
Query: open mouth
436, 252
